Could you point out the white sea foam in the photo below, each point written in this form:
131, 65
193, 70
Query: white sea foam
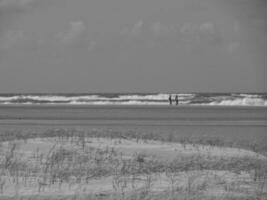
142, 97
138, 99
60, 98
119, 103
3, 98
241, 102
250, 95
54, 98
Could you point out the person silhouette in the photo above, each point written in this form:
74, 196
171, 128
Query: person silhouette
176, 99
170, 99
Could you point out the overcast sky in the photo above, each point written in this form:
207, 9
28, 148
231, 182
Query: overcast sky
133, 46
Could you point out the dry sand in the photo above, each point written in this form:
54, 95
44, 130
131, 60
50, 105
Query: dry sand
161, 151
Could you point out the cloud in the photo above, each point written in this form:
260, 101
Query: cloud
10, 10
211, 34
140, 28
207, 28
206, 32
136, 29
232, 47
201, 34
186, 28
75, 30
92, 45
159, 28
12, 37
19, 3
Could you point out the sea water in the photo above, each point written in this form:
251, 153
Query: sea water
211, 99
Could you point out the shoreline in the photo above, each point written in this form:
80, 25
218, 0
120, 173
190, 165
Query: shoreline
185, 113
124, 115
185, 106
230, 123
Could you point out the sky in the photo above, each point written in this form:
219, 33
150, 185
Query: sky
67, 46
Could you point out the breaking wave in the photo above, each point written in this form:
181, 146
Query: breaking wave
242, 102
206, 99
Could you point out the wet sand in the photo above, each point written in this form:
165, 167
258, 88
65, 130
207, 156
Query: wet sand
232, 122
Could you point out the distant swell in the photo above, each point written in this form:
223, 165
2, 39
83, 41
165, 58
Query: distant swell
207, 99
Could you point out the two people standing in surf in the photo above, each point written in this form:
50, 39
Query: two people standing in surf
176, 99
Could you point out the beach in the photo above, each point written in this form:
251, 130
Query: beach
229, 122
116, 151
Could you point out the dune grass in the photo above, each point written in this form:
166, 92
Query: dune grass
67, 164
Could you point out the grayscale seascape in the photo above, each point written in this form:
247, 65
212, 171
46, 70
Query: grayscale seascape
133, 100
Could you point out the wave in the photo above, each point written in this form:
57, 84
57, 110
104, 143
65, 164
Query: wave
53, 98
250, 95
208, 99
118, 103
242, 102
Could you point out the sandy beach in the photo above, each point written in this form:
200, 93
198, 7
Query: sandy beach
114, 152
231, 123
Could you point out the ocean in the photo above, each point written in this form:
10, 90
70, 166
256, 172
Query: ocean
206, 99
